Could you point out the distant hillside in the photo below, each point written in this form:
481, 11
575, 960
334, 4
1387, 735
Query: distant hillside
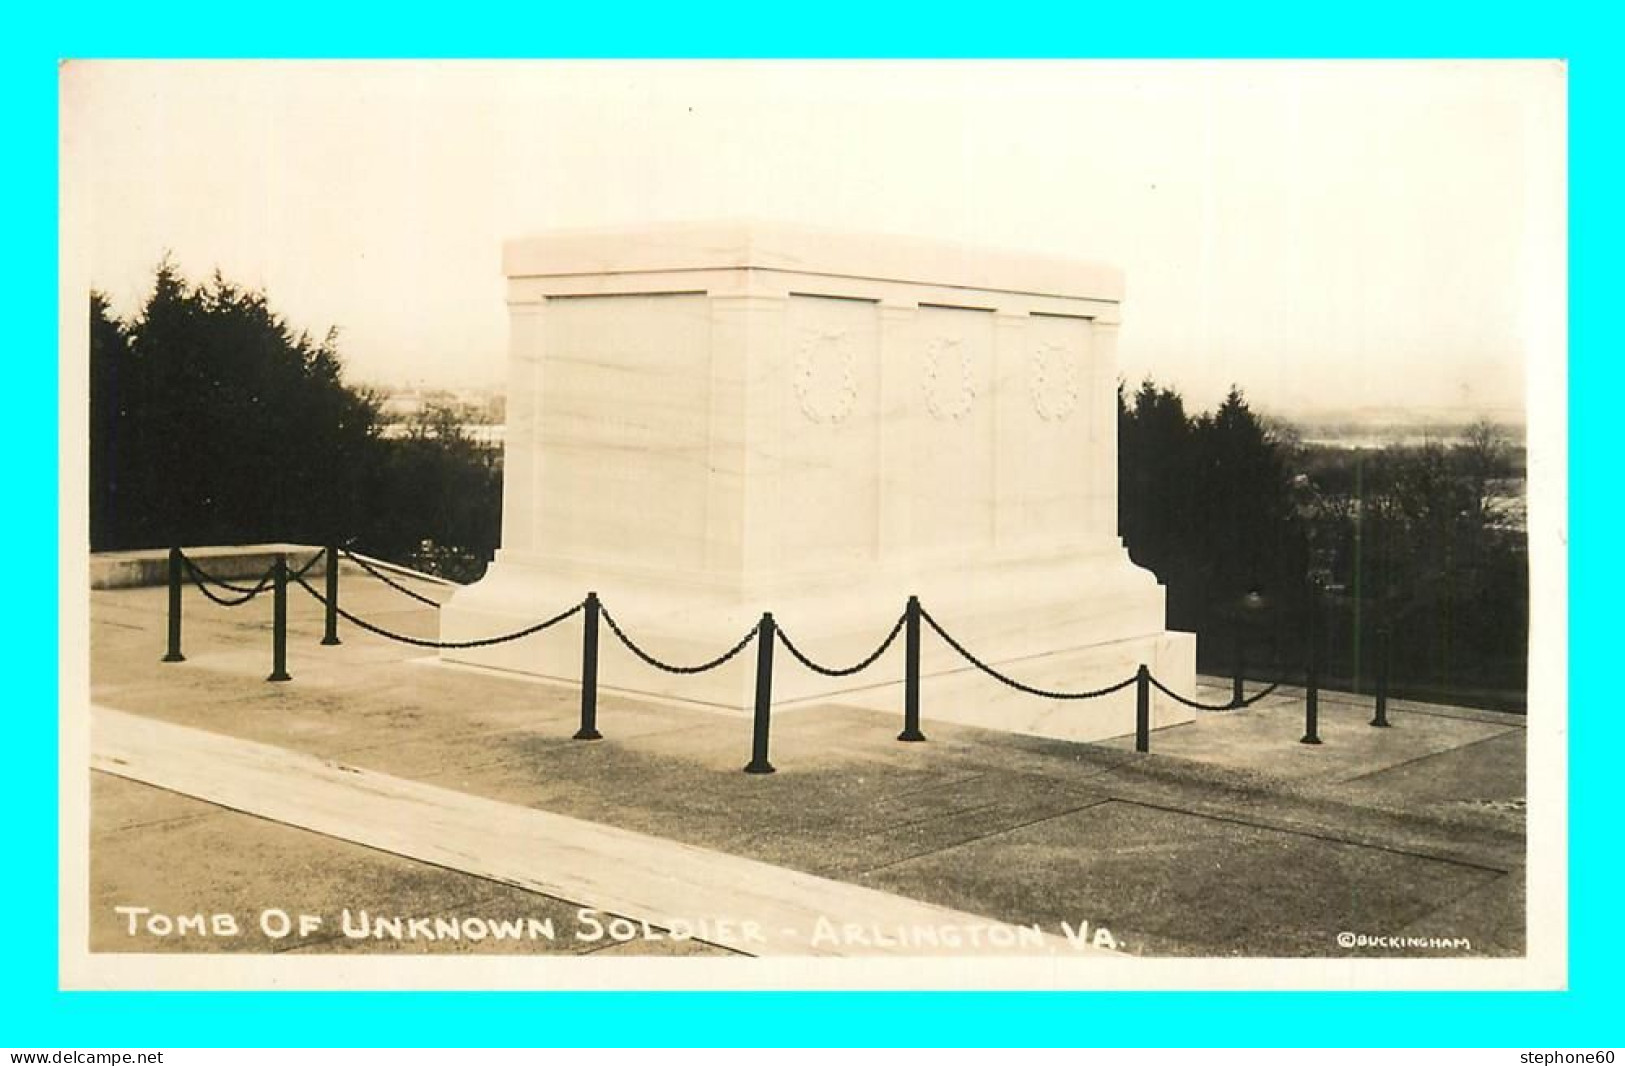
1381, 427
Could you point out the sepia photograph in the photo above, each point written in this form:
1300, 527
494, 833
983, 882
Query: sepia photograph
926, 524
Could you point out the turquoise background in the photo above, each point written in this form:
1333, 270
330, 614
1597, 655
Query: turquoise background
35, 1014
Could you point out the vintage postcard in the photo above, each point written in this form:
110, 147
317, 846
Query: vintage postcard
1032, 525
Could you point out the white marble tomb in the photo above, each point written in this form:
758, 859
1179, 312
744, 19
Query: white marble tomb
710, 421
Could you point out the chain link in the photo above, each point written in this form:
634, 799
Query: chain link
386, 579
670, 668
1261, 693
1193, 704
197, 577
1230, 706
1012, 682
200, 576
421, 643
303, 570
829, 671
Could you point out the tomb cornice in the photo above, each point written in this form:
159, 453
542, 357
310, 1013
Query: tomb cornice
676, 248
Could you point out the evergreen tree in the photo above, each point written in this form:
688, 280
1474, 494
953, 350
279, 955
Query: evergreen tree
438, 497
1205, 503
114, 479
213, 422
1243, 493
216, 423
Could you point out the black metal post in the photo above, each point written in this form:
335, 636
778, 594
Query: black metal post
589, 671
1239, 680
766, 637
1311, 681
1142, 708
331, 634
911, 672
173, 655
1381, 720
279, 621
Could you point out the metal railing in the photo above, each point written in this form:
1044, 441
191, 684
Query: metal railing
766, 633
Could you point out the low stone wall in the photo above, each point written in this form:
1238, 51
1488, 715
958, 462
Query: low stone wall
150, 566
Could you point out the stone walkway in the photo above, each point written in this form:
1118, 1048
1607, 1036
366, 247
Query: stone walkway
1231, 838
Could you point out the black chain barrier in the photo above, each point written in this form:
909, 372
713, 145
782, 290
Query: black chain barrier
830, 671
202, 581
1012, 682
765, 634
386, 579
451, 644
671, 668
199, 574
1231, 705
200, 577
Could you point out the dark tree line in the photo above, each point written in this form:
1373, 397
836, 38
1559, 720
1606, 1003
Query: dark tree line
1417, 542
213, 422
1425, 541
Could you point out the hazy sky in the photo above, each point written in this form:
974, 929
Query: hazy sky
1324, 235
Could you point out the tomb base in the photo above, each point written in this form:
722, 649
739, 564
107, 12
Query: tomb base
1066, 623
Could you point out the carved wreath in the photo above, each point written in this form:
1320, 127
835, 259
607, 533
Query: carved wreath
1053, 381
826, 378
941, 399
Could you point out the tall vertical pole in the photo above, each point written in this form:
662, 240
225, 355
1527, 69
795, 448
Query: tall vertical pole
1238, 681
1358, 632
1142, 708
1383, 652
331, 633
1311, 683
279, 621
766, 637
911, 672
589, 671
173, 655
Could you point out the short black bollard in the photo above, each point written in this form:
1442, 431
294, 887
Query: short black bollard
1311, 670
1238, 682
589, 671
911, 672
1311, 699
1311, 714
766, 637
1142, 708
279, 621
173, 655
1381, 720
330, 635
